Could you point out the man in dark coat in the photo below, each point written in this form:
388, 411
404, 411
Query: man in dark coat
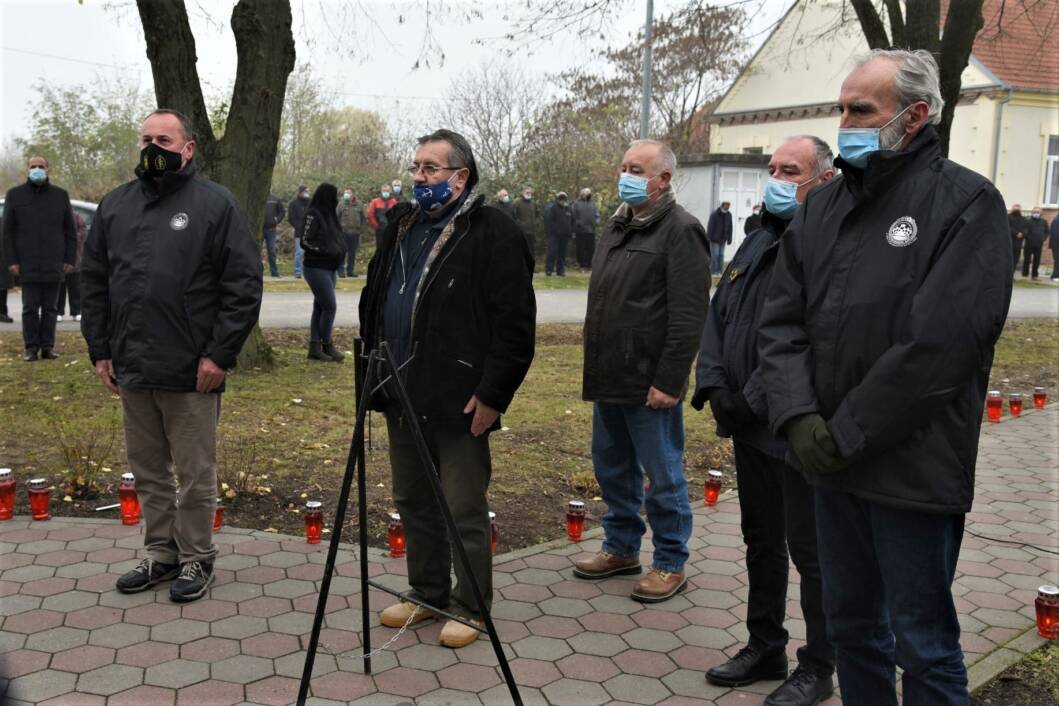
1017, 229
719, 233
274, 213
450, 291
171, 282
1053, 245
559, 225
528, 217
889, 293
503, 202
296, 211
40, 246
586, 218
646, 305
1036, 236
753, 221
775, 501
6, 280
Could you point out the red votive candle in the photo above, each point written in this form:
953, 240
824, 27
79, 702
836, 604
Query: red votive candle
1039, 397
7, 494
218, 516
494, 532
994, 405
1047, 605
713, 487
1015, 404
395, 536
39, 498
314, 521
575, 520
130, 504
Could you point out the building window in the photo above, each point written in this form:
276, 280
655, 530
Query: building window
1051, 173
753, 150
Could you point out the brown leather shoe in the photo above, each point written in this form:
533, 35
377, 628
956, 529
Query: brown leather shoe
606, 564
659, 586
397, 615
455, 634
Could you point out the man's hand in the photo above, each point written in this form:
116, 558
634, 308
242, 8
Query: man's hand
812, 443
484, 415
698, 400
656, 399
67, 268
210, 376
13, 269
105, 371
730, 409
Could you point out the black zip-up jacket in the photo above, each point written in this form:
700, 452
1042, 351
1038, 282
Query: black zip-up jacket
647, 302
559, 220
39, 232
274, 212
1036, 232
728, 350
170, 275
474, 318
296, 210
325, 246
890, 290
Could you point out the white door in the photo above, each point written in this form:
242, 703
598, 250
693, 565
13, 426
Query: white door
742, 188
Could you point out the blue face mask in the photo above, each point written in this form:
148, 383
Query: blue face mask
856, 144
431, 197
38, 175
396, 189
632, 189
781, 197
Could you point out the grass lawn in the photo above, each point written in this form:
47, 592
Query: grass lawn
1033, 681
284, 433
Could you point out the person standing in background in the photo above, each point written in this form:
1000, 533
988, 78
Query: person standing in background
325, 249
1036, 236
378, 209
296, 217
274, 213
586, 218
1017, 229
351, 220
528, 219
559, 224
71, 285
719, 233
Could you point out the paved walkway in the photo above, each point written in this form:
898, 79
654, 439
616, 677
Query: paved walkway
69, 639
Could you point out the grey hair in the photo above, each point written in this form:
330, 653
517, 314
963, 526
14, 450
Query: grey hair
825, 158
916, 78
666, 159
460, 152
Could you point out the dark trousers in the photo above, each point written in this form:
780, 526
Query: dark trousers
1016, 250
556, 259
70, 289
352, 244
585, 247
464, 465
776, 505
40, 306
270, 248
3, 302
1031, 253
1055, 263
888, 598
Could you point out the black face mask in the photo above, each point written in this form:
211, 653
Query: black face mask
156, 161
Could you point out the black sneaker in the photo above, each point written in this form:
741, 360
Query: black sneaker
5, 319
148, 573
48, 354
194, 580
29, 355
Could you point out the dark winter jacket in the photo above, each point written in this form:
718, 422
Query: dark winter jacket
646, 304
170, 275
274, 212
474, 317
296, 210
1053, 236
752, 223
1036, 232
39, 232
889, 293
350, 216
559, 220
325, 247
1017, 227
728, 357
529, 221
586, 216
719, 229
508, 209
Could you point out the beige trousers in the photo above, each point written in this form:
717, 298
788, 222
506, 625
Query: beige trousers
167, 432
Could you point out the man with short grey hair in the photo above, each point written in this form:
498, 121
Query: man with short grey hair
890, 290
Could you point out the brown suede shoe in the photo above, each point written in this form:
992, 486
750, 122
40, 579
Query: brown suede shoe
659, 586
606, 564
455, 634
397, 615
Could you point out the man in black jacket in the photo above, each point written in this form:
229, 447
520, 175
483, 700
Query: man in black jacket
1036, 235
775, 501
1017, 230
559, 225
526, 213
171, 284
719, 233
274, 213
890, 290
450, 291
296, 211
646, 305
40, 246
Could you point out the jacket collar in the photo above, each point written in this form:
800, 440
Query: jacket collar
885, 167
773, 223
624, 216
170, 182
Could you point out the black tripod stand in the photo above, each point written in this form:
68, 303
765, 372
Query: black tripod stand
367, 379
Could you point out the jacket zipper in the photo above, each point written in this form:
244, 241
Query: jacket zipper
432, 277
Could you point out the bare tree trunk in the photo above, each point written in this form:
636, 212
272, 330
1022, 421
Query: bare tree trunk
243, 159
961, 25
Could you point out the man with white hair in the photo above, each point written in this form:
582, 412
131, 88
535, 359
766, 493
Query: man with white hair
890, 290
646, 306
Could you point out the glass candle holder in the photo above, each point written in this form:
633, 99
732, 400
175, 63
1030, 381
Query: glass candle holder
314, 521
1039, 397
494, 532
218, 516
1047, 605
712, 490
994, 405
130, 504
575, 520
39, 499
7, 493
395, 536
1015, 404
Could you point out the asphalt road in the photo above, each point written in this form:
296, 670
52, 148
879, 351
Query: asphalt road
292, 309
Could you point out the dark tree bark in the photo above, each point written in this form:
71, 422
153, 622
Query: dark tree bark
243, 158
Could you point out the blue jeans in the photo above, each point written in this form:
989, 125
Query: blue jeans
270, 247
887, 578
299, 253
322, 282
716, 258
629, 442
555, 261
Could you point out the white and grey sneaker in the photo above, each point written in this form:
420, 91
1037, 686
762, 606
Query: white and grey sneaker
194, 580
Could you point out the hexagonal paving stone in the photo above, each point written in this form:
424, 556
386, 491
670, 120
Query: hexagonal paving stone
19, 662
75, 699
598, 644
567, 607
587, 667
572, 692
212, 692
427, 657
654, 640
404, 681
273, 691
295, 623
39, 686
13, 605
83, 659
270, 645
180, 631
636, 689
210, 649
536, 647
177, 674
93, 617
56, 639
236, 592
241, 669
644, 663
143, 695
110, 679
239, 626
289, 588
554, 626
69, 601
265, 606
48, 587
152, 614
32, 621
147, 654
119, 635
208, 610
469, 677
343, 687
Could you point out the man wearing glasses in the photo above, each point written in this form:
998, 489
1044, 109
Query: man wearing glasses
450, 291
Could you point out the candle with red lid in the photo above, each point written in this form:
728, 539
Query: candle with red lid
39, 499
494, 532
314, 521
575, 520
395, 536
218, 516
994, 405
7, 493
130, 504
712, 490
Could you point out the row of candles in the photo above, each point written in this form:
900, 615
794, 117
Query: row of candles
994, 403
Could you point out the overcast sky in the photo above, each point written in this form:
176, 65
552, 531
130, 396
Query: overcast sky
362, 51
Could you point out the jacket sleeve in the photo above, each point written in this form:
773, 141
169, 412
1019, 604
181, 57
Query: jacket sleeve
311, 231
687, 296
512, 310
371, 214
69, 235
949, 336
236, 258
8, 246
95, 290
785, 357
709, 371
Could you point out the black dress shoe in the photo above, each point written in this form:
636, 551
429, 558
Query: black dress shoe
29, 355
802, 688
5, 319
747, 667
48, 354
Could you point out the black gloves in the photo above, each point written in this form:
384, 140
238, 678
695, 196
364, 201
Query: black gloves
730, 409
698, 400
811, 441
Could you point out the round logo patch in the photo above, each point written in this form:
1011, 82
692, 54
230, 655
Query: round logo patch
179, 221
903, 232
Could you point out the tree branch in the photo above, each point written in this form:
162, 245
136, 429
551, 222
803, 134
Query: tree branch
871, 24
